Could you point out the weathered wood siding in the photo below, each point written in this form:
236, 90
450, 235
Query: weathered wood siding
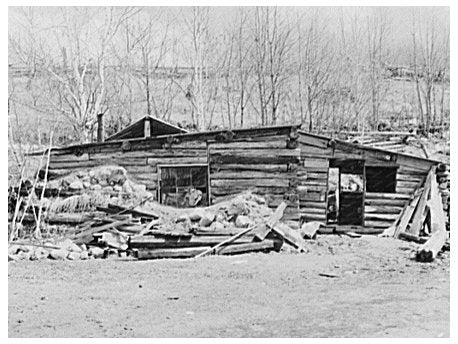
380, 209
265, 165
141, 164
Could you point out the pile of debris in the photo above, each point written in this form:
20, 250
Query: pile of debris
424, 218
149, 230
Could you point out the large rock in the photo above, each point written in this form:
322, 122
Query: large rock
74, 256
96, 252
206, 219
76, 185
40, 253
59, 254
65, 244
195, 216
243, 221
217, 226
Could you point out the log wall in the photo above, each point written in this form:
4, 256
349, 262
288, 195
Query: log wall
265, 165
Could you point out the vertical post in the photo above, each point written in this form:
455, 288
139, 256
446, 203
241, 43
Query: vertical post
100, 128
147, 127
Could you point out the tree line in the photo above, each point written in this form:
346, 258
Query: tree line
262, 66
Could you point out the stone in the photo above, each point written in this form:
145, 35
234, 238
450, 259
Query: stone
103, 182
195, 216
86, 185
76, 185
59, 254
182, 218
84, 255
66, 244
40, 253
206, 219
220, 217
96, 252
117, 188
74, 256
243, 221
107, 189
23, 255
217, 226
75, 248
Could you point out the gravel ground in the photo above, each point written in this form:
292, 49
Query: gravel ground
343, 287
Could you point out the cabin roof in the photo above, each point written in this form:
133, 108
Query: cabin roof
158, 127
358, 146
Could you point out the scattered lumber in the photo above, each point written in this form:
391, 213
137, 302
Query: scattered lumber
276, 216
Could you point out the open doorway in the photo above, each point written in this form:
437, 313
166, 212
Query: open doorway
346, 192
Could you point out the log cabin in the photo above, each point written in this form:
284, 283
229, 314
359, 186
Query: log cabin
320, 178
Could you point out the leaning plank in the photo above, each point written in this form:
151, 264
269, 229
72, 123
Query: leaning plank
406, 216
187, 252
291, 236
429, 250
419, 215
262, 230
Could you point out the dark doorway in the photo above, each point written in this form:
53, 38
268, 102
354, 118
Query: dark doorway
350, 200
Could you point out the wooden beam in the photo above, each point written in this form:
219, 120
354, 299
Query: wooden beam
419, 214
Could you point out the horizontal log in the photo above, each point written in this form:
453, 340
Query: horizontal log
69, 158
308, 140
276, 182
406, 184
408, 178
377, 224
405, 191
260, 156
315, 163
313, 182
231, 190
177, 161
249, 175
307, 204
312, 151
312, 188
378, 195
385, 202
348, 229
187, 252
153, 153
309, 210
248, 167
380, 217
415, 163
266, 143
313, 217
382, 209
312, 175
311, 196
265, 245
150, 241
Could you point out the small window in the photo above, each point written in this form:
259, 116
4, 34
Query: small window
381, 179
183, 186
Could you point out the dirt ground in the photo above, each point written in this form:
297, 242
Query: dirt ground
343, 287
